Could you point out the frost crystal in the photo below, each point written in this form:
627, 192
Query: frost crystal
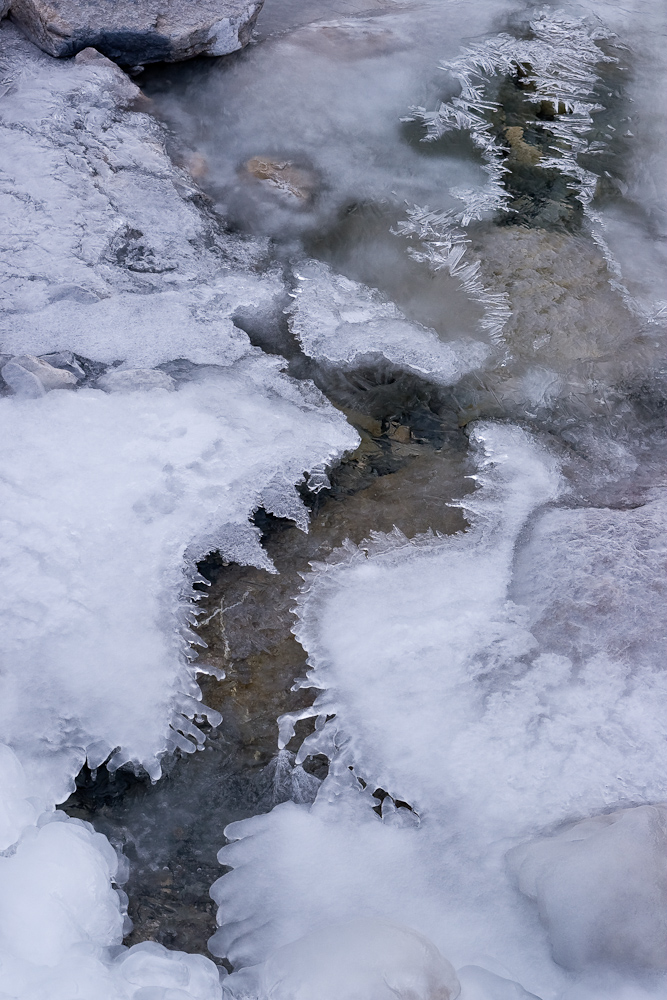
341, 321
556, 68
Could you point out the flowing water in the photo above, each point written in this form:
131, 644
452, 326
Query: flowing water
306, 141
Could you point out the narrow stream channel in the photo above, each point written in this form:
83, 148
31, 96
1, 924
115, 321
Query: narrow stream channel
298, 141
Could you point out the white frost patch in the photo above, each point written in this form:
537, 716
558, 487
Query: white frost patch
339, 320
106, 499
483, 680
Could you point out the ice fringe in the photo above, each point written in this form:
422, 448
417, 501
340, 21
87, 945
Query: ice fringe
341, 321
497, 686
557, 67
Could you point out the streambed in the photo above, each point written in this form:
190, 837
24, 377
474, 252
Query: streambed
298, 144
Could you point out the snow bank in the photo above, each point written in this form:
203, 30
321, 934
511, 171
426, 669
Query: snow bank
342, 321
449, 680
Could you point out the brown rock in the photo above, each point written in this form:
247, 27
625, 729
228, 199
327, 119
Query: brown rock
283, 176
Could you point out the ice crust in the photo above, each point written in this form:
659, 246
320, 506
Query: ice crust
109, 250
117, 477
450, 680
339, 320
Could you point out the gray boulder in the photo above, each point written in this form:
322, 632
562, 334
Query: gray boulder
133, 32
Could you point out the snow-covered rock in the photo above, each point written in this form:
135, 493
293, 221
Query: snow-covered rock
135, 33
109, 250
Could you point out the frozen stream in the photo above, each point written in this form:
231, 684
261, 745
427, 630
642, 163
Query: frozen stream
333, 482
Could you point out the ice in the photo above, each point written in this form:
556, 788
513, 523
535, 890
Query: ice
342, 321
480, 984
496, 684
360, 960
17, 372
108, 501
109, 250
601, 888
453, 598
62, 924
327, 97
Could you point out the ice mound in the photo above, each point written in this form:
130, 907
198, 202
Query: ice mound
342, 321
450, 680
61, 926
360, 960
601, 888
109, 249
453, 623
107, 497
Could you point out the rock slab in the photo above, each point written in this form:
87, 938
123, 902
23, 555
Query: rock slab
133, 32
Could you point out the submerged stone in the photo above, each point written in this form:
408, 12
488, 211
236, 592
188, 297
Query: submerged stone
132, 33
283, 177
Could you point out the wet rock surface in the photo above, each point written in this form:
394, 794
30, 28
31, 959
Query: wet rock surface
136, 33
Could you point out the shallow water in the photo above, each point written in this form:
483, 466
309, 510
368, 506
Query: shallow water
579, 360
